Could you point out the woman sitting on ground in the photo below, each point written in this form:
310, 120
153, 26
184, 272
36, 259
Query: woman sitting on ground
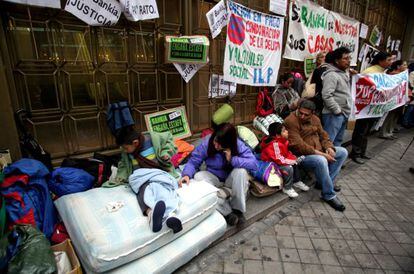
285, 98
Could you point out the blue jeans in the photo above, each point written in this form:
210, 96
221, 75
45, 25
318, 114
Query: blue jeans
326, 172
334, 125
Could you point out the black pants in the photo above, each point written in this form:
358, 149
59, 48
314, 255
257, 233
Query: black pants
140, 197
360, 136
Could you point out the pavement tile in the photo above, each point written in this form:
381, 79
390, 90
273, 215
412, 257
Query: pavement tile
357, 246
366, 260
349, 234
293, 268
316, 232
340, 246
384, 236
406, 263
308, 256
376, 247
366, 235
333, 233
327, 257
311, 221
272, 267
353, 270
303, 243
270, 254
312, 268
333, 269
283, 230
375, 225
233, 264
321, 244
360, 224
307, 212
347, 260
289, 255
252, 252
395, 249
409, 248
285, 242
268, 240
299, 231
387, 262
402, 238
253, 267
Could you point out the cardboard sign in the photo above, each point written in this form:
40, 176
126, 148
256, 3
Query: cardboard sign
173, 120
253, 46
377, 93
187, 71
309, 65
95, 13
40, 3
135, 10
278, 6
217, 18
375, 36
218, 88
313, 29
187, 49
368, 56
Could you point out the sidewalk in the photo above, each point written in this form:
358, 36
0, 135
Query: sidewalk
374, 234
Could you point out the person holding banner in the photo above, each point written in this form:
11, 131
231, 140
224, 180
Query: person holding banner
285, 98
307, 137
336, 95
380, 63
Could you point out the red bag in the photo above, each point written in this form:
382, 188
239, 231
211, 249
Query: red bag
264, 105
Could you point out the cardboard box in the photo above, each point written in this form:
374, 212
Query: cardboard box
187, 49
68, 248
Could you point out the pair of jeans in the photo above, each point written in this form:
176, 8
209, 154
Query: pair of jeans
360, 135
335, 126
290, 175
326, 172
408, 118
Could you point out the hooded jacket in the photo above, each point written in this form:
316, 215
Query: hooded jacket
276, 149
336, 91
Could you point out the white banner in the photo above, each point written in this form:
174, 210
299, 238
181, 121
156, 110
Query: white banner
217, 87
278, 6
187, 71
313, 29
253, 46
217, 18
368, 56
40, 3
135, 10
95, 12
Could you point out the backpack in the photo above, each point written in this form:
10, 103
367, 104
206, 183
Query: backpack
119, 116
269, 174
97, 168
68, 180
264, 104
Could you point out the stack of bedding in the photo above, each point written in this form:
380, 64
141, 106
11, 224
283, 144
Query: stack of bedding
110, 233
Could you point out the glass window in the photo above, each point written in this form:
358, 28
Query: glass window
111, 45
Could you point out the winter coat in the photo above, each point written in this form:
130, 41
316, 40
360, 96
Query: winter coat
336, 91
216, 164
276, 149
283, 98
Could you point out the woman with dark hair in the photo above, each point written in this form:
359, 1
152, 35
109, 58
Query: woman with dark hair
228, 161
285, 98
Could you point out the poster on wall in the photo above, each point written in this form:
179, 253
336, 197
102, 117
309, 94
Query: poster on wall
253, 46
39, 3
187, 49
173, 120
377, 93
368, 56
135, 10
313, 29
219, 88
309, 65
95, 13
363, 33
278, 6
187, 71
217, 18
375, 36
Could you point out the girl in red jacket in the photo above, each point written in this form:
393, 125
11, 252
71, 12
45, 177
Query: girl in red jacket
275, 148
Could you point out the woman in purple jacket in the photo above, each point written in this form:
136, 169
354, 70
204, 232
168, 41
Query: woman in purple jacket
228, 162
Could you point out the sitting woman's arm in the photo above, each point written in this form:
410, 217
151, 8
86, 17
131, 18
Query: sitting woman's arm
198, 156
245, 159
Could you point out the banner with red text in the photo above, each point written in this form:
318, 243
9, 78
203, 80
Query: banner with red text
313, 29
253, 46
377, 93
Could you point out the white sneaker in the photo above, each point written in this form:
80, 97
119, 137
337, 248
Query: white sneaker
301, 186
291, 193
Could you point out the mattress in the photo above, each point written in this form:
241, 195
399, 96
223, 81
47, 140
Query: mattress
180, 251
108, 228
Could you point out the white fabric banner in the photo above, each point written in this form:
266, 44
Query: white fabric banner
95, 12
217, 87
40, 3
313, 29
187, 71
135, 10
278, 6
217, 18
253, 46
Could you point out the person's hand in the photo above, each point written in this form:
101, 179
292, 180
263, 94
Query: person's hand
185, 180
331, 152
352, 71
227, 153
329, 158
165, 157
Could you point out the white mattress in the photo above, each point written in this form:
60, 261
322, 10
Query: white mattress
105, 240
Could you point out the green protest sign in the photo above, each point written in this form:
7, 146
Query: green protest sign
187, 49
309, 65
173, 120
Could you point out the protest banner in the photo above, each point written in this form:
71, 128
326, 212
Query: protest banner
173, 120
217, 18
368, 56
309, 65
313, 29
39, 3
95, 13
186, 49
253, 46
135, 10
278, 6
377, 93
218, 88
187, 71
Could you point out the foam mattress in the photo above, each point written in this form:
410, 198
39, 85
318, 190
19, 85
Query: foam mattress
108, 228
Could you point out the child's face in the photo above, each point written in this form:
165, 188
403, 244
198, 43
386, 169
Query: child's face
130, 148
284, 133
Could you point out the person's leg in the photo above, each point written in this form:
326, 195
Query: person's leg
238, 181
367, 130
319, 165
287, 174
157, 209
140, 198
340, 135
333, 125
385, 128
335, 167
358, 137
296, 174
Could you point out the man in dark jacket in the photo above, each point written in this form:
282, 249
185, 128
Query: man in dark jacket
307, 137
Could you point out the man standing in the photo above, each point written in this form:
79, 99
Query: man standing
307, 137
336, 95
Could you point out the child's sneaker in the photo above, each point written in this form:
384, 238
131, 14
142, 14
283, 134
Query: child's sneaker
175, 224
301, 186
156, 216
290, 192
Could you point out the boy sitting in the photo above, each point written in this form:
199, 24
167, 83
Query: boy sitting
275, 149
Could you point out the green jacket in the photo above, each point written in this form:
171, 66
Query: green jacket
163, 145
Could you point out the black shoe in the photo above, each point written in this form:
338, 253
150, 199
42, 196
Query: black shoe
157, 214
175, 224
336, 204
366, 157
411, 170
232, 219
358, 160
337, 188
240, 215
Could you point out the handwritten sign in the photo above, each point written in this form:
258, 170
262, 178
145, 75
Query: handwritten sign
313, 29
253, 46
95, 13
377, 93
135, 10
187, 71
173, 120
217, 18
187, 49
218, 88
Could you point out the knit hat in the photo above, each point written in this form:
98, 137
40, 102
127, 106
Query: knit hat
223, 114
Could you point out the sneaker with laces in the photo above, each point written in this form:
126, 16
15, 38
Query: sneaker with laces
290, 192
301, 186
